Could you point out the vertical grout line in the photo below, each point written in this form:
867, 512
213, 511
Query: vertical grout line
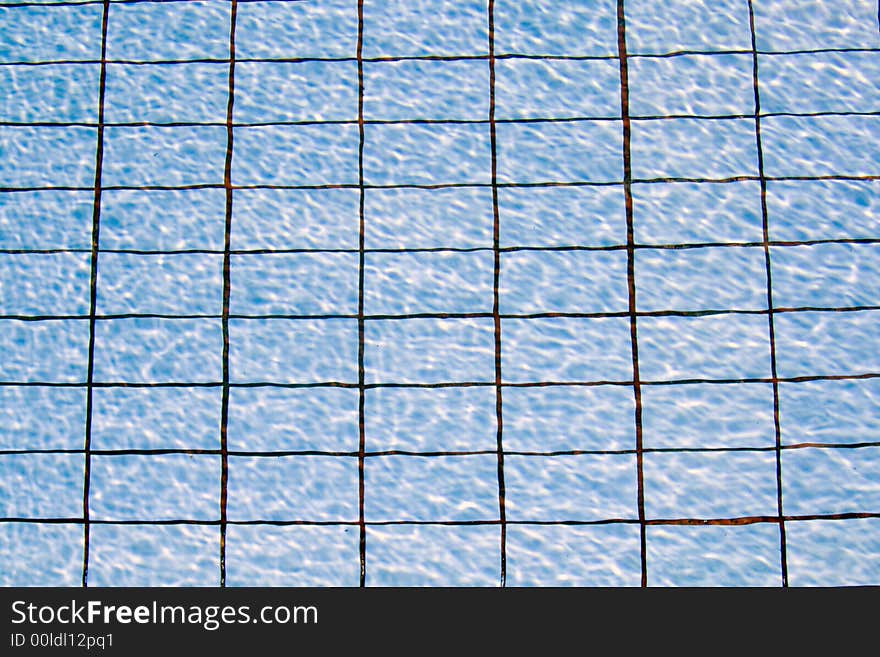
362, 545
496, 316
771, 325
93, 294
227, 238
631, 281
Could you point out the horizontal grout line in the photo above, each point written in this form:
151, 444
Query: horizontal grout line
439, 385
734, 521
452, 249
448, 316
430, 454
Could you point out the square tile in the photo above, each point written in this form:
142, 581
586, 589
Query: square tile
821, 145
832, 412
263, 488
155, 487
34, 554
46, 220
561, 216
403, 90
184, 283
191, 93
691, 85
701, 279
820, 82
163, 220
714, 556
565, 281
564, 418
542, 27
430, 419
584, 487
295, 155
260, 555
420, 154
798, 25
278, 419
704, 415
694, 148
565, 349
591, 555
712, 347
164, 156
41, 485
47, 156
534, 88
296, 91
295, 219
293, 350
33, 417
53, 351
155, 31
45, 283
458, 217
407, 283
823, 209
707, 485
834, 553
38, 34
827, 343
154, 555
580, 151
429, 555
59, 92
826, 275
695, 213
155, 418
151, 350
296, 29
294, 284
431, 27
830, 480
431, 488
429, 351
653, 27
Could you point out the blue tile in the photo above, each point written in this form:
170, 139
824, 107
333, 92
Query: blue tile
800, 25
827, 481
406, 283
832, 412
33, 417
148, 350
279, 419
326, 488
565, 349
45, 284
46, 220
41, 485
54, 351
430, 555
430, 419
833, 553
705, 485
436, 488
675, 25
293, 351
403, 90
823, 209
542, 27
295, 218
584, 487
35, 554
195, 93
429, 350
295, 284
555, 555
431, 27
155, 31
35, 34
180, 486
292, 556
180, 284
47, 156
153, 555
296, 91
63, 93
826, 275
